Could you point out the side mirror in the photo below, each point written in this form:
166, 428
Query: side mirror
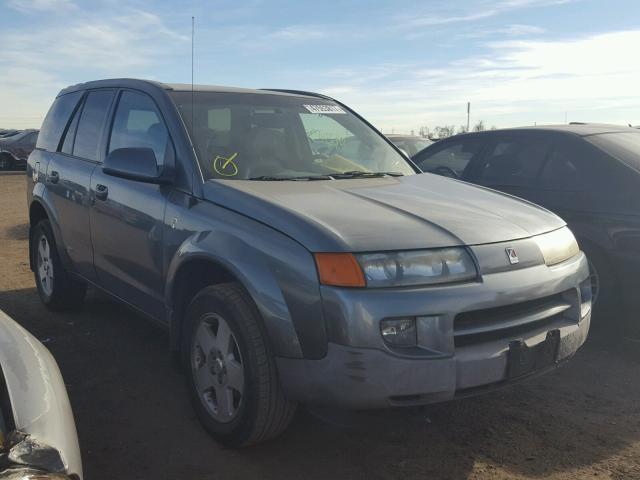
138, 164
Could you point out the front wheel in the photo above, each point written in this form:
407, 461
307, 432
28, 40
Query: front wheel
231, 371
57, 289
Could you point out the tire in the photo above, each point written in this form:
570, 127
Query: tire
231, 372
58, 290
603, 284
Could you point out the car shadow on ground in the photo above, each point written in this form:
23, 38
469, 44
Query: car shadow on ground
18, 232
134, 418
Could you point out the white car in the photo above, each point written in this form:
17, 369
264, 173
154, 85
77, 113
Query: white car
38, 436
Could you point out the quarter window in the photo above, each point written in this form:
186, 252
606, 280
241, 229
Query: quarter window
56, 120
138, 124
67, 143
91, 123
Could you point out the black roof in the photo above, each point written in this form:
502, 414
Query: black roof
179, 87
579, 129
400, 135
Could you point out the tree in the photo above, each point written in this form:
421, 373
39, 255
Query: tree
462, 129
445, 131
479, 127
425, 132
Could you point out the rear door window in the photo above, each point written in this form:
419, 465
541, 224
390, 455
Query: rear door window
90, 127
514, 161
56, 121
138, 124
452, 159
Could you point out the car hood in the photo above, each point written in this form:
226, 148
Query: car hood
394, 213
39, 402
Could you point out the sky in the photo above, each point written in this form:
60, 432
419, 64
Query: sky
402, 65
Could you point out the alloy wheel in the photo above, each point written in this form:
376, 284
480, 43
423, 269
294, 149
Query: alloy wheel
44, 265
217, 368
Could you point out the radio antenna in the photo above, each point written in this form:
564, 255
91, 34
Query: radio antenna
193, 33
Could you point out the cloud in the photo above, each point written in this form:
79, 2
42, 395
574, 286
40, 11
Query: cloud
300, 33
479, 11
514, 82
42, 61
38, 6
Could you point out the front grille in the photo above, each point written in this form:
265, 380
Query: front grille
501, 322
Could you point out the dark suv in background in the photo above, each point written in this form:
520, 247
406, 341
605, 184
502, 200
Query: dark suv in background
588, 174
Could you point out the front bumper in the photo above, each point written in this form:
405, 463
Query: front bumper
361, 371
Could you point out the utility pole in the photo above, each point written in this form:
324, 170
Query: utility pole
468, 114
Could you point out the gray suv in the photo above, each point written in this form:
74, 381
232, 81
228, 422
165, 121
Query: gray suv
287, 267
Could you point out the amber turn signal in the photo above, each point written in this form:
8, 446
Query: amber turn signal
339, 270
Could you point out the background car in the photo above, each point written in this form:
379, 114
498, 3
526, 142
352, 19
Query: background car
410, 144
588, 174
16, 147
7, 132
38, 436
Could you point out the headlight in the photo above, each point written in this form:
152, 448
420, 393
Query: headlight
419, 267
557, 246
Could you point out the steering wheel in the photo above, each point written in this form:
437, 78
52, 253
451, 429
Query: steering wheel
445, 171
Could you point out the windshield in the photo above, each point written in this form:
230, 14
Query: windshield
623, 146
272, 137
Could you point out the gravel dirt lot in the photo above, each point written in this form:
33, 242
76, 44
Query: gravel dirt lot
135, 422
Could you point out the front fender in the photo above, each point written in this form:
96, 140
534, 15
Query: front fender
278, 273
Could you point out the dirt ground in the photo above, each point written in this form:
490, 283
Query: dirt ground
135, 422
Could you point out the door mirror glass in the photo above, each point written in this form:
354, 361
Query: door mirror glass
135, 163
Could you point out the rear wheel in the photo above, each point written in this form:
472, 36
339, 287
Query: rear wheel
58, 290
231, 371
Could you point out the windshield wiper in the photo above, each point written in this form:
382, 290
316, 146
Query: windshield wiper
332, 176
361, 174
268, 178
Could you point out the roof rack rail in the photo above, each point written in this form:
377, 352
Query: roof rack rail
298, 92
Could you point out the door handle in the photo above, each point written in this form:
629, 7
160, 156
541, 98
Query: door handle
101, 191
53, 177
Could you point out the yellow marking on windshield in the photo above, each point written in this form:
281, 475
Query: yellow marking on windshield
225, 166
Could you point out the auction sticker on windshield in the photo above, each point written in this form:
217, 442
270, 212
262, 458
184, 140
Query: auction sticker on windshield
324, 109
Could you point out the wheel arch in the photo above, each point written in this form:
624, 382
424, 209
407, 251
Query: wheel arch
191, 272
37, 213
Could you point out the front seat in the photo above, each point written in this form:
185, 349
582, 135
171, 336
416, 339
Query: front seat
268, 152
502, 166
